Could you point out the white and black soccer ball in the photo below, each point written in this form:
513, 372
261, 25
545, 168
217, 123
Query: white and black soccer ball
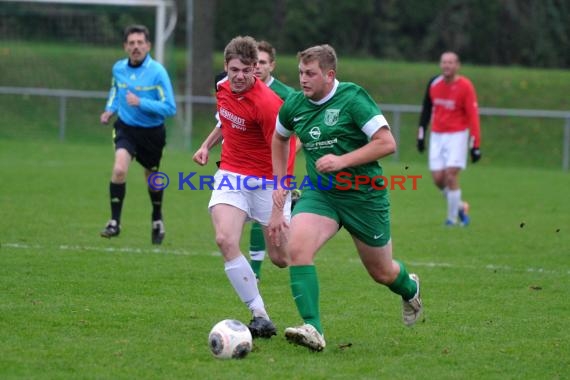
230, 339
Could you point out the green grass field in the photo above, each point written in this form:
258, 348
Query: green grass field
75, 306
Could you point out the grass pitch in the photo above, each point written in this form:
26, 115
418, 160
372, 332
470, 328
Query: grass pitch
74, 305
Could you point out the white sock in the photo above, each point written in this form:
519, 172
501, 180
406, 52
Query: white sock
244, 282
453, 202
257, 255
444, 192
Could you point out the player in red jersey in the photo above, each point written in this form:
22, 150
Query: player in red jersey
263, 71
247, 110
450, 103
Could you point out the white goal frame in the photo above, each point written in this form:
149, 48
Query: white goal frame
166, 16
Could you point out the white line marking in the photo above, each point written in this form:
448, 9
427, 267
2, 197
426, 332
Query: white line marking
505, 268
104, 249
181, 252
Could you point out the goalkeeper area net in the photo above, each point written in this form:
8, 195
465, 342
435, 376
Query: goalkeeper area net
71, 46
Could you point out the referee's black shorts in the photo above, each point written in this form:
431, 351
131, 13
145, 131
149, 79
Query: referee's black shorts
144, 144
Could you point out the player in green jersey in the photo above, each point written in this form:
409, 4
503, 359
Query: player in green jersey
342, 131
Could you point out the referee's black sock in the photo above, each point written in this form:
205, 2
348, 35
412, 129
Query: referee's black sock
156, 200
117, 192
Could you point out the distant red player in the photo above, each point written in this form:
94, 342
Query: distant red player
450, 103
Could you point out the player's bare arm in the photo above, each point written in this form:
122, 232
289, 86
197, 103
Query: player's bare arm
279, 153
213, 139
381, 145
279, 157
277, 226
298, 145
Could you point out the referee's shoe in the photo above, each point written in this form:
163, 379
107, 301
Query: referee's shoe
112, 229
158, 232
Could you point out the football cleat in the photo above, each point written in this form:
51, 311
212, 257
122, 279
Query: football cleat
306, 335
262, 328
463, 214
158, 232
412, 308
111, 229
449, 223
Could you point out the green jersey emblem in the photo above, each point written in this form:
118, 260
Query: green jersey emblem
331, 116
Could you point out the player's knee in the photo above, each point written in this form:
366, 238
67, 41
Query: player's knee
439, 180
451, 181
299, 255
224, 242
119, 174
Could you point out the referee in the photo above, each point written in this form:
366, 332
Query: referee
142, 97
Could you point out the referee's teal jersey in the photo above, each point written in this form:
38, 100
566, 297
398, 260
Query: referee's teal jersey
150, 82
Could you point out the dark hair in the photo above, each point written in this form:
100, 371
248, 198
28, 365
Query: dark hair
268, 48
136, 29
243, 48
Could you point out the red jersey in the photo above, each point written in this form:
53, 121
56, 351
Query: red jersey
455, 107
247, 122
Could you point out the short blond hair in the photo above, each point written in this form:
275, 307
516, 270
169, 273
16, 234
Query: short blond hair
324, 54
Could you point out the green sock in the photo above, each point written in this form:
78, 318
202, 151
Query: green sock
305, 290
404, 285
256, 267
256, 239
256, 248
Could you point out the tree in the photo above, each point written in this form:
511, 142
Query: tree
203, 47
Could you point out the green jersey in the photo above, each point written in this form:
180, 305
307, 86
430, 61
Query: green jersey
280, 88
342, 122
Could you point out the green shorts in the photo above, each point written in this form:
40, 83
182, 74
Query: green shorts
365, 216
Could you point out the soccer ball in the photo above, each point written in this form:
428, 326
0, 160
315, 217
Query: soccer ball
230, 339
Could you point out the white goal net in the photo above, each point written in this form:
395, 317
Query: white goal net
70, 46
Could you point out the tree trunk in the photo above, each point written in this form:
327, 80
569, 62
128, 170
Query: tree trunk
203, 47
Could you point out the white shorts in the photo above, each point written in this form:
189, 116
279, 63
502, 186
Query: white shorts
448, 150
251, 194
